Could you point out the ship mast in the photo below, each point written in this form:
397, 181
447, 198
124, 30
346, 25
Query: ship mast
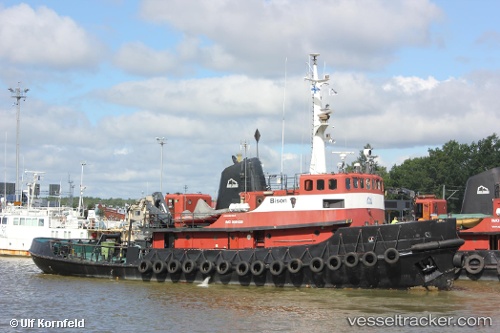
320, 118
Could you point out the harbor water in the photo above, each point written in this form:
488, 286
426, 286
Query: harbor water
35, 302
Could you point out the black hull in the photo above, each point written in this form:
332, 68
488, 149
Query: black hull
479, 265
387, 256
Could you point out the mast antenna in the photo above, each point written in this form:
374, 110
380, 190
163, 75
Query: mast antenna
283, 122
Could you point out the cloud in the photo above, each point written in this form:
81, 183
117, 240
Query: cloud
40, 37
410, 85
248, 35
138, 59
490, 39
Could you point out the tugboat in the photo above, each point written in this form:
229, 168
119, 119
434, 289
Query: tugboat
319, 229
479, 224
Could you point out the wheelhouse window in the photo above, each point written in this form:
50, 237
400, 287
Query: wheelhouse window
355, 182
332, 184
348, 183
368, 183
320, 184
308, 185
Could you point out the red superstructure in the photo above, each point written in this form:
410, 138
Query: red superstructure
429, 207
274, 218
484, 231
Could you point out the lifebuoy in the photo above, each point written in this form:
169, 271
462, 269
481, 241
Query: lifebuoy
316, 265
369, 259
257, 267
276, 267
223, 267
206, 267
159, 266
173, 266
474, 263
242, 268
391, 256
351, 259
145, 266
294, 266
188, 266
334, 262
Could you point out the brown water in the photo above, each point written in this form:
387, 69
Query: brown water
104, 305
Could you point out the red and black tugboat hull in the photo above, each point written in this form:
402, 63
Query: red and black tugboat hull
400, 255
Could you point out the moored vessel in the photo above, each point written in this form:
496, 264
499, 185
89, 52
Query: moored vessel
321, 229
19, 224
479, 226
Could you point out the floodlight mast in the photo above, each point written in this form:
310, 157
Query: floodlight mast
18, 94
161, 141
81, 207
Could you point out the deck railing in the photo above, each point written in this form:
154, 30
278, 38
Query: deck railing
95, 252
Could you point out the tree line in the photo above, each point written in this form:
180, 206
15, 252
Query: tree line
445, 171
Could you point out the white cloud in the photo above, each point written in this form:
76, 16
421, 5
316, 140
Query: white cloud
41, 37
410, 85
249, 34
139, 59
122, 151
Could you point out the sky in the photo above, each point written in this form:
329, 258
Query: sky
108, 77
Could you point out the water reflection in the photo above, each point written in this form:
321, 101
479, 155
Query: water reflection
110, 305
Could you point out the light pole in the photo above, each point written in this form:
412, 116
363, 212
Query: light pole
161, 141
82, 188
18, 93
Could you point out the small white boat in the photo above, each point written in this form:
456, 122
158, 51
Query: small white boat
20, 224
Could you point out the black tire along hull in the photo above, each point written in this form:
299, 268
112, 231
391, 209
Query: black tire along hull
386, 256
478, 265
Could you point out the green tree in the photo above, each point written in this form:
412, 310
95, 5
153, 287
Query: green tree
448, 167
